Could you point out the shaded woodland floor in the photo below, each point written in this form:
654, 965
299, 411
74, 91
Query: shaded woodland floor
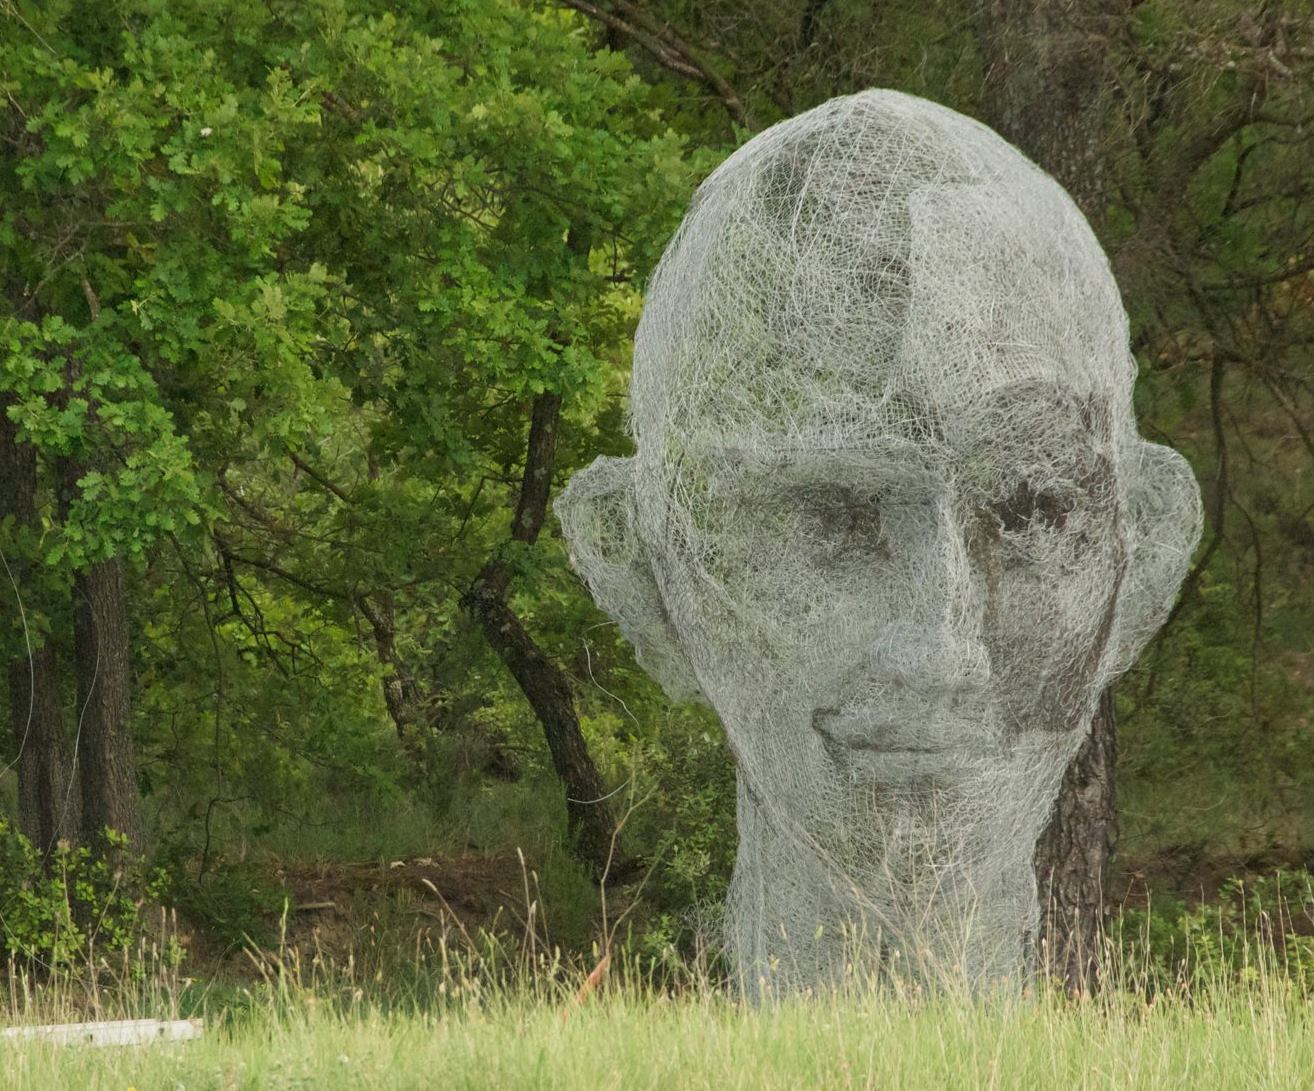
336, 910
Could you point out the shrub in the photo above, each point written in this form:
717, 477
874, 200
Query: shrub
1261, 926
61, 911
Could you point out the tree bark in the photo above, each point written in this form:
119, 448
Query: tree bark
104, 670
1046, 87
400, 693
1073, 854
1046, 92
588, 815
48, 805
103, 663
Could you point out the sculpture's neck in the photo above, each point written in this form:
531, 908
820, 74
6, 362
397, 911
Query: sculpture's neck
941, 888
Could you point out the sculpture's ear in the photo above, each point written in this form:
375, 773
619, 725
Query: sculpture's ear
1163, 526
597, 515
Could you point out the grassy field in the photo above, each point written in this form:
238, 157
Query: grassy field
1223, 1000
1254, 1039
488, 1017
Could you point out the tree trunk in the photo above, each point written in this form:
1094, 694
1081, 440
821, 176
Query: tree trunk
103, 662
400, 693
48, 805
1046, 87
588, 815
48, 802
1073, 854
104, 670
1046, 92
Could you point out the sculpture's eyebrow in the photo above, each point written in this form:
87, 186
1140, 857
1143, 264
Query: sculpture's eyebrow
1025, 401
785, 454
1029, 409
882, 457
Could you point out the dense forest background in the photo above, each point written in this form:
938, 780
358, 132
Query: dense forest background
310, 308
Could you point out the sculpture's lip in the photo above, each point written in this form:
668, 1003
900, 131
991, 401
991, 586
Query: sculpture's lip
882, 746
871, 731
876, 746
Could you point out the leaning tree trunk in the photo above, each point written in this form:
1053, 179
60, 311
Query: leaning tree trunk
1046, 92
104, 670
48, 804
546, 688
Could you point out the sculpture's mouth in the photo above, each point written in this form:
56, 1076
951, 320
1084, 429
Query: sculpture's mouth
873, 739
933, 730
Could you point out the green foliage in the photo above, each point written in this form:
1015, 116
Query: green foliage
106, 401
280, 281
687, 823
1262, 926
242, 725
63, 912
284, 280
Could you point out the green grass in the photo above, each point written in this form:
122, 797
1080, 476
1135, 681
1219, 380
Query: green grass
1219, 996
1252, 1038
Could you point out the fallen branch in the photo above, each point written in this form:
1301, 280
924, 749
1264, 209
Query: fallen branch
119, 1032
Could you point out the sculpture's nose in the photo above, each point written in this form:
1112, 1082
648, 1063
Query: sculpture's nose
931, 658
935, 642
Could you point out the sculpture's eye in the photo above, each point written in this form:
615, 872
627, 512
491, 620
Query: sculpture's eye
838, 524
1027, 507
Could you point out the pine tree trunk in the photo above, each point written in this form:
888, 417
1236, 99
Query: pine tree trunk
1046, 88
1045, 92
1073, 854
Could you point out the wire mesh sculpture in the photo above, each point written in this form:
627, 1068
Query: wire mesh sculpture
891, 517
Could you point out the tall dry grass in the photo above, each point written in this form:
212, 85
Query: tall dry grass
460, 1010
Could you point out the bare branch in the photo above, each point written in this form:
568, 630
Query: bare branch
1293, 270
667, 48
319, 478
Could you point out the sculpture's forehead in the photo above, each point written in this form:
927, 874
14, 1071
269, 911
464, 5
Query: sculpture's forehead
883, 253
930, 402
1028, 423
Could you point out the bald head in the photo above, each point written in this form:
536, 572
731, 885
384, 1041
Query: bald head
890, 516
875, 253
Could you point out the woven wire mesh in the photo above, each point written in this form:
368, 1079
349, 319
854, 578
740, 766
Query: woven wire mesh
891, 517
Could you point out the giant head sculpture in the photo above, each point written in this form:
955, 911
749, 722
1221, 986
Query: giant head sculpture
891, 517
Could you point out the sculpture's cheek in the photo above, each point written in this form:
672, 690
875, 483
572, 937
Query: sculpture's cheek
1048, 640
